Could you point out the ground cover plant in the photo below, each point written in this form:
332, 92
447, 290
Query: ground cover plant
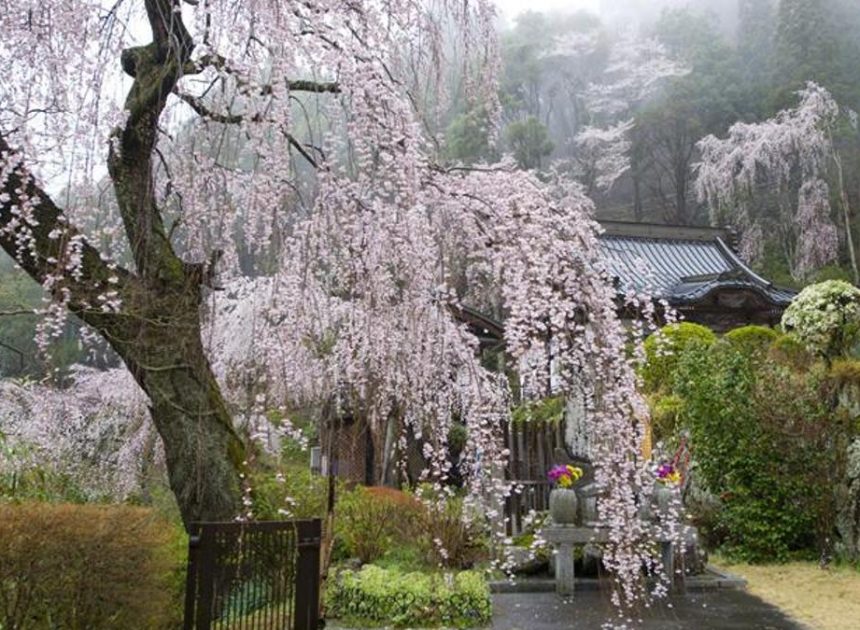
374, 596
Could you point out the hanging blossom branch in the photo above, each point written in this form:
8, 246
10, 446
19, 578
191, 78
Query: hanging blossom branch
767, 158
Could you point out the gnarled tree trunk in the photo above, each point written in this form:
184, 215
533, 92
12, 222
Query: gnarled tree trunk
156, 328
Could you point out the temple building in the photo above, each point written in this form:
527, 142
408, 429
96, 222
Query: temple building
695, 270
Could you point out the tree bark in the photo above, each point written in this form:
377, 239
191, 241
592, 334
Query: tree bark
156, 329
846, 216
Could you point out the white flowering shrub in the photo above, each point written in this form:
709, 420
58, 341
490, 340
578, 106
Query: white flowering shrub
825, 316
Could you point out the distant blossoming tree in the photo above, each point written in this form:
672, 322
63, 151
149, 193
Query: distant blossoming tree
637, 69
95, 433
312, 144
791, 153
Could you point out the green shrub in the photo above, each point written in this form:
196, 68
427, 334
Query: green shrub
22, 478
447, 537
664, 348
753, 340
825, 317
789, 351
370, 522
767, 445
665, 410
374, 596
288, 492
87, 566
544, 410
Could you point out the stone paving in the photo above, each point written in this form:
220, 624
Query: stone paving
722, 609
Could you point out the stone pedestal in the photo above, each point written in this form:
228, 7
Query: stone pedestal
565, 538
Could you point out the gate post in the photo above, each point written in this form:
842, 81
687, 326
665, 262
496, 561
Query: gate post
191, 580
308, 575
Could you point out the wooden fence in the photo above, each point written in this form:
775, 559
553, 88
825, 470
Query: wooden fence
532, 449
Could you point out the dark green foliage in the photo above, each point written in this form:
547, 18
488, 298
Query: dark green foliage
664, 348
756, 29
529, 141
767, 444
467, 137
550, 409
375, 597
804, 42
706, 100
19, 355
79, 567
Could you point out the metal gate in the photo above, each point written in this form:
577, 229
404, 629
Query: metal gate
254, 576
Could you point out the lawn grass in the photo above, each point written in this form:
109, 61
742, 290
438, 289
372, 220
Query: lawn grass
822, 599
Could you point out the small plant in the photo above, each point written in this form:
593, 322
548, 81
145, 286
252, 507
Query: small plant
375, 597
447, 537
564, 476
369, 522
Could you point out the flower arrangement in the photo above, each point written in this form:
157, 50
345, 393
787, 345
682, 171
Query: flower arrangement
668, 475
564, 476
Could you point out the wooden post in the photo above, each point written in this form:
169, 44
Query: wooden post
306, 608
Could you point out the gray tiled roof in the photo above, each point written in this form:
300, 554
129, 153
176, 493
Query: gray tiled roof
680, 264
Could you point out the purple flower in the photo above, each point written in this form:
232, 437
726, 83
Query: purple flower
665, 470
557, 472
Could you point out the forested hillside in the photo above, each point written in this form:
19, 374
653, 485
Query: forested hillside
624, 106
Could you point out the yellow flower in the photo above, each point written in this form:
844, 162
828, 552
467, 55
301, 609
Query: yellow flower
575, 473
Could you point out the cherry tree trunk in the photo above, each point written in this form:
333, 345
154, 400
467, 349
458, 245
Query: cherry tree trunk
161, 345
151, 315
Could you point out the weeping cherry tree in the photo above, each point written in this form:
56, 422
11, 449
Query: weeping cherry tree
337, 179
790, 154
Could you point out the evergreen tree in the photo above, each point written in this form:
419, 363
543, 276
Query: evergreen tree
804, 48
756, 29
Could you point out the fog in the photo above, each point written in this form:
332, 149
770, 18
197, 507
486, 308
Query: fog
620, 13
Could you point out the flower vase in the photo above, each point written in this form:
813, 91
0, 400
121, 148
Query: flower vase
563, 505
665, 496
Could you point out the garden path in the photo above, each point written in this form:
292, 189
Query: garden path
723, 609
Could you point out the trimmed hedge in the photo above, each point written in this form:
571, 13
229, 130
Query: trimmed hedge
89, 566
374, 596
664, 348
752, 340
